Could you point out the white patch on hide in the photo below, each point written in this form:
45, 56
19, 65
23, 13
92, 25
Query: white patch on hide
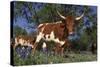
42, 29
47, 23
58, 22
21, 41
44, 45
40, 25
58, 41
40, 36
16, 42
52, 38
47, 36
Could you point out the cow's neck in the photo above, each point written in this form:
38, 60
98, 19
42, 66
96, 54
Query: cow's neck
65, 30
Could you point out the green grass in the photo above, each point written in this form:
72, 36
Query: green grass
41, 58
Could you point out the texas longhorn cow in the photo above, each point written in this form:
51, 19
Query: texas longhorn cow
23, 41
57, 31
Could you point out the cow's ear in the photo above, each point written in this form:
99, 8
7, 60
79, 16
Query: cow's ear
77, 22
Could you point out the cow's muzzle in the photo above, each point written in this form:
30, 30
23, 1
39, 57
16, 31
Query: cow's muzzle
71, 34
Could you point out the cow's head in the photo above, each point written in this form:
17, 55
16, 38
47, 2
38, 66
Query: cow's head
70, 22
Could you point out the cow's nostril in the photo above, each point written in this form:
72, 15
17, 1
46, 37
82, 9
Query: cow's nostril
71, 34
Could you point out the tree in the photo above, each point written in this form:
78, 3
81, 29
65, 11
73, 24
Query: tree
19, 31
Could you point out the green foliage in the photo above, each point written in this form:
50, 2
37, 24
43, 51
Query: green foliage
19, 31
42, 58
47, 13
84, 39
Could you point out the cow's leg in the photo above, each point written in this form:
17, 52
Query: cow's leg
61, 46
68, 46
65, 48
62, 51
44, 47
57, 49
38, 38
15, 43
35, 45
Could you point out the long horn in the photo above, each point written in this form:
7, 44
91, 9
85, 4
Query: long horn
63, 17
78, 18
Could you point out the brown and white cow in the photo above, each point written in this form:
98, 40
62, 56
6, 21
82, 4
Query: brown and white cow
24, 41
57, 31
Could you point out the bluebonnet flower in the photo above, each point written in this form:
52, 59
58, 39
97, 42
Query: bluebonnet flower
23, 51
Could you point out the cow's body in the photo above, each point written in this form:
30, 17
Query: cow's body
52, 32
